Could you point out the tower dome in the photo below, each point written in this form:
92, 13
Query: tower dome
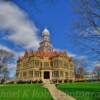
45, 32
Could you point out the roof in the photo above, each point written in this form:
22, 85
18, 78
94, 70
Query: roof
42, 54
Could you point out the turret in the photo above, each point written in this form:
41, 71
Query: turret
45, 45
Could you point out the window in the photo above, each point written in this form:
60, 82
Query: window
17, 74
46, 64
60, 63
18, 63
20, 74
61, 73
30, 73
56, 63
41, 64
51, 63
65, 64
26, 60
36, 74
37, 64
55, 74
66, 74
24, 74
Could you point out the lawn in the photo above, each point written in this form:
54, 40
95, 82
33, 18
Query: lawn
82, 91
24, 92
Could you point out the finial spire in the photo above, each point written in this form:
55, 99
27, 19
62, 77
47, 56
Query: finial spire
45, 32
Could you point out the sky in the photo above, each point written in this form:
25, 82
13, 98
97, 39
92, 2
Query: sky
22, 23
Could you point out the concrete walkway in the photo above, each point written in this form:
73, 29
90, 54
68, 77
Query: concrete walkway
56, 93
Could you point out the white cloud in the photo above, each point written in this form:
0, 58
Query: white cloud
71, 54
12, 69
12, 66
97, 63
22, 30
6, 49
82, 57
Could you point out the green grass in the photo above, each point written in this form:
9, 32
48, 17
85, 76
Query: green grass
82, 91
24, 92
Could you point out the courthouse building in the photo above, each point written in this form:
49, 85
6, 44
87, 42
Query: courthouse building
45, 64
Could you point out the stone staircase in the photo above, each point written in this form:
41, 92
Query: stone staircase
46, 81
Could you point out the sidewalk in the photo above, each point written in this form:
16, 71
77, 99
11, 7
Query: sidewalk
56, 93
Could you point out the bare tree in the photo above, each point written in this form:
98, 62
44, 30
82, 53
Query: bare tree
97, 71
87, 25
5, 58
80, 67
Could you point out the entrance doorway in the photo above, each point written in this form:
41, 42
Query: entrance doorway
46, 75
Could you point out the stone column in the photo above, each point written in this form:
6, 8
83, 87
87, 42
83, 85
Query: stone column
50, 75
27, 75
42, 75
33, 76
63, 74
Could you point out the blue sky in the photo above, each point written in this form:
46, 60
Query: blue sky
22, 23
56, 17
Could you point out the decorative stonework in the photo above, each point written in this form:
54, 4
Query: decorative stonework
45, 64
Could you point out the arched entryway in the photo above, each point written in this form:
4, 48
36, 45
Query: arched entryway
46, 75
